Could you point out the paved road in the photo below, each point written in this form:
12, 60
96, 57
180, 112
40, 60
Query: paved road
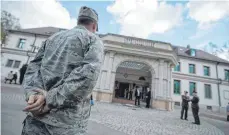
114, 119
12, 115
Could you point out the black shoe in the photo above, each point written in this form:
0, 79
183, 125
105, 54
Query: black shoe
196, 123
186, 119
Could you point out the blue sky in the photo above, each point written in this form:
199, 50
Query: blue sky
180, 23
181, 35
100, 7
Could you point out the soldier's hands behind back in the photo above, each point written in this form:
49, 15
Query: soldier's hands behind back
35, 103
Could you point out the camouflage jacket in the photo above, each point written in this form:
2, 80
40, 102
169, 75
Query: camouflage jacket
67, 67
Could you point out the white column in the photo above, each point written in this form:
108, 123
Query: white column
156, 80
103, 79
103, 72
165, 79
160, 76
171, 82
169, 91
97, 86
109, 68
112, 81
153, 91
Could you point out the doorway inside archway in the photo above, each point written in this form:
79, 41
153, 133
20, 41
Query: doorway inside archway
131, 75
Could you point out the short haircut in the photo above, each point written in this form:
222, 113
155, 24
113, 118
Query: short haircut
85, 21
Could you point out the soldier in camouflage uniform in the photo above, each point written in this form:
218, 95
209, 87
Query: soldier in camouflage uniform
59, 81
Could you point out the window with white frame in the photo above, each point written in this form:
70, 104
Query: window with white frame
16, 64
193, 52
177, 67
226, 94
21, 43
9, 63
13, 63
192, 87
192, 68
226, 75
176, 87
206, 71
208, 91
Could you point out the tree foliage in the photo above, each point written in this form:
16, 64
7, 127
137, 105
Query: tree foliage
8, 21
220, 51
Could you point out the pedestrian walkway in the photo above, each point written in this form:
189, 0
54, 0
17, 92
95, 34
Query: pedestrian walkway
10, 85
214, 116
126, 119
142, 121
208, 114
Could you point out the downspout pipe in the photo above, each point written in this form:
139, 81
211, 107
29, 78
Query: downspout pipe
218, 84
33, 49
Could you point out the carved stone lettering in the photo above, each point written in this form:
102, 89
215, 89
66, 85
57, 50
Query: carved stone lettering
137, 42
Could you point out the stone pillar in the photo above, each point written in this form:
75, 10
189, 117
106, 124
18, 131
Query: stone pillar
160, 77
112, 81
103, 72
169, 92
153, 91
109, 79
97, 86
165, 80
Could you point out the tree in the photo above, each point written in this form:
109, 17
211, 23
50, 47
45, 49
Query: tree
8, 21
222, 52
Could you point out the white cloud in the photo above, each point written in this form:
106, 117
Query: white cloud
202, 46
212, 48
40, 13
207, 12
144, 17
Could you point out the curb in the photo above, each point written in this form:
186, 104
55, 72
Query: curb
216, 117
11, 85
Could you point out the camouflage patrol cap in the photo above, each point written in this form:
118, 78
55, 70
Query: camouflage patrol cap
88, 13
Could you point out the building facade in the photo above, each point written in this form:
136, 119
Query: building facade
167, 70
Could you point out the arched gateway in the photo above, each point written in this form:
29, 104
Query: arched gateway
132, 61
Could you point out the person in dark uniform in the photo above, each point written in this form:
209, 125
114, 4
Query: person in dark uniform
130, 94
14, 77
137, 96
127, 92
22, 73
195, 108
185, 105
148, 97
92, 101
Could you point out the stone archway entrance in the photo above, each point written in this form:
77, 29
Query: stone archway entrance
119, 49
129, 75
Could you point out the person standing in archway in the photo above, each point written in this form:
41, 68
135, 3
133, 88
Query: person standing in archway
137, 95
148, 97
130, 94
127, 93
